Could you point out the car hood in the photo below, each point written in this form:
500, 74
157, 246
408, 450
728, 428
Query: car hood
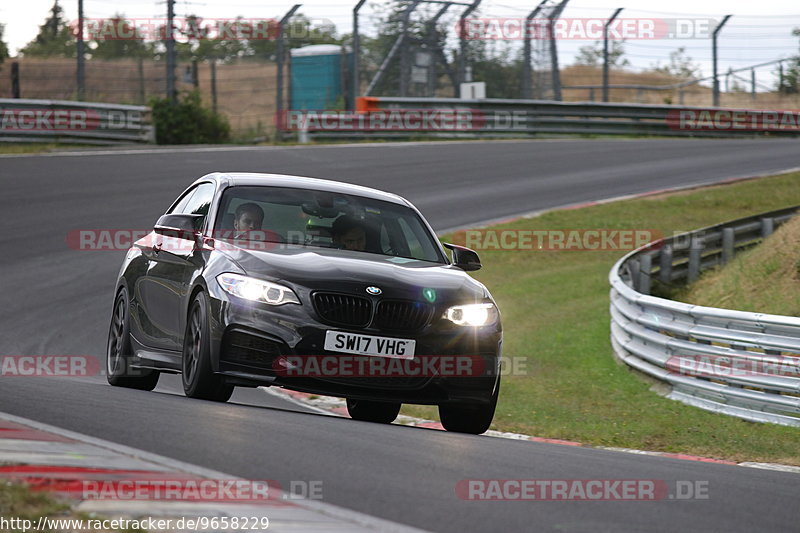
352, 272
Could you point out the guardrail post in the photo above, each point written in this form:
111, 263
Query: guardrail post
665, 264
645, 266
695, 251
633, 268
767, 227
727, 244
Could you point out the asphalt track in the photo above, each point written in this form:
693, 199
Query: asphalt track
56, 300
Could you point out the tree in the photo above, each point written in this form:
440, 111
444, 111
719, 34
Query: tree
55, 38
680, 66
790, 84
3, 46
116, 38
592, 55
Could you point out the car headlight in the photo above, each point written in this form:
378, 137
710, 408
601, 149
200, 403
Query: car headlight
257, 290
472, 314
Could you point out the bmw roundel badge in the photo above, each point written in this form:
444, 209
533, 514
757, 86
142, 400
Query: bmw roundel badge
375, 291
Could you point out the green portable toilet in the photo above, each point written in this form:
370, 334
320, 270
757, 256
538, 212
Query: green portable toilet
319, 76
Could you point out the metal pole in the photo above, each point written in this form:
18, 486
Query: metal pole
605, 53
433, 42
780, 77
554, 53
753, 84
714, 57
356, 89
170, 44
462, 54
15, 89
398, 43
279, 59
81, 70
214, 85
195, 78
527, 90
140, 71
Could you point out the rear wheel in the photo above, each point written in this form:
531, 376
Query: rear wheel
119, 370
474, 419
199, 381
369, 411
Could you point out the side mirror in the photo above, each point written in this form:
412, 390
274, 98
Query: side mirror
181, 226
464, 258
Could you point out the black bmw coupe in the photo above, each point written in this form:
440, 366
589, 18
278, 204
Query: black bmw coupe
318, 286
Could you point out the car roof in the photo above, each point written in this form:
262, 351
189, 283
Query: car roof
301, 182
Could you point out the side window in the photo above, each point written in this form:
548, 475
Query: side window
199, 203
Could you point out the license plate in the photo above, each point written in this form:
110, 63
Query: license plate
339, 341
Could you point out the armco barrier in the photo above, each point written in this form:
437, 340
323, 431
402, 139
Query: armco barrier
513, 118
64, 121
733, 362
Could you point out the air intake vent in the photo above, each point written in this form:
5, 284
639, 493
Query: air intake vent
402, 315
343, 309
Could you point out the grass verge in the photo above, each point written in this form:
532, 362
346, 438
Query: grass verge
555, 315
764, 279
17, 500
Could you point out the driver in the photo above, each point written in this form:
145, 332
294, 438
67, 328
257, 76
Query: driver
248, 217
349, 233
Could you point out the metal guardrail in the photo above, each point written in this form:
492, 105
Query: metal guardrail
509, 118
733, 362
65, 121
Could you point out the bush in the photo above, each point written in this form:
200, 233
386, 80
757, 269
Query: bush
186, 121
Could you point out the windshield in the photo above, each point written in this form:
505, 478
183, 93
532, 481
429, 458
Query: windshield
324, 220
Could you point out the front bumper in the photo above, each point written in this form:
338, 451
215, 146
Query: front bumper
252, 342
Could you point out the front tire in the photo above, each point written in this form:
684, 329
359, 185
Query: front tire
199, 380
119, 370
469, 418
368, 411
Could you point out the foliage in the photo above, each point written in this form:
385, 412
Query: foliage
790, 84
186, 121
592, 55
105, 43
3, 46
680, 66
55, 37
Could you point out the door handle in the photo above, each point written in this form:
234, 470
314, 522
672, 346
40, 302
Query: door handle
157, 247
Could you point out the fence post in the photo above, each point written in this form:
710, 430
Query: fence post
714, 58
605, 53
15, 90
195, 79
140, 72
214, 85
